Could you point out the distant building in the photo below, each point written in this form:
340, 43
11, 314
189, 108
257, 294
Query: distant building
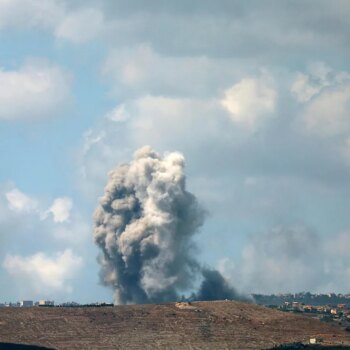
26, 303
46, 303
309, 308
315, 340
297, 304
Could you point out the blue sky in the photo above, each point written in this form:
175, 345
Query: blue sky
256, 95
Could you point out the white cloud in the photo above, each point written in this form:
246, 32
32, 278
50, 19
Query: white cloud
118, 114
161, 120
328, 114
130, 24
162, 112
18, 201
77, 25
82, 26
291, 259
153, 119
143, 71
42, 271
249, 100
30, 13
325, 94
302, 89
130, 69
74, 232
60, 209
133, 67
33, 91
27, 219
318, 77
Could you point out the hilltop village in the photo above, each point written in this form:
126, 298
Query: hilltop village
326, 307
51, 303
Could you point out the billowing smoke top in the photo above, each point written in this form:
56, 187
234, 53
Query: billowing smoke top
144, 226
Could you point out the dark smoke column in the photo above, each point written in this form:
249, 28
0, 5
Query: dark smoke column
144, 226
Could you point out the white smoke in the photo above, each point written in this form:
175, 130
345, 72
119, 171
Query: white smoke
144, 225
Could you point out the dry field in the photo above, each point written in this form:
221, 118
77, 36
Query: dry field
201, 325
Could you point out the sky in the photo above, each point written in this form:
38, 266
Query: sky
254, 94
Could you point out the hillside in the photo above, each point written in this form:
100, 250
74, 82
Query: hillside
201, 325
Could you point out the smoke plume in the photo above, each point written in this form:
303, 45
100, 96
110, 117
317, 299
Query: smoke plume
144, 225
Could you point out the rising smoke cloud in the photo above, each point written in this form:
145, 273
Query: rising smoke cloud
144, 225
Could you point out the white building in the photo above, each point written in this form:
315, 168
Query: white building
46, 303
26, 303
315, 340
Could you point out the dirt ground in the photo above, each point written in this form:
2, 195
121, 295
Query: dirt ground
201, 325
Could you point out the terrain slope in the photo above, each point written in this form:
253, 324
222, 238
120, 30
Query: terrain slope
200, 325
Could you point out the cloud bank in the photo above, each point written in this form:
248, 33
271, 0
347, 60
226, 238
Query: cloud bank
42, 273
34, 91
291, 259
41, 250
